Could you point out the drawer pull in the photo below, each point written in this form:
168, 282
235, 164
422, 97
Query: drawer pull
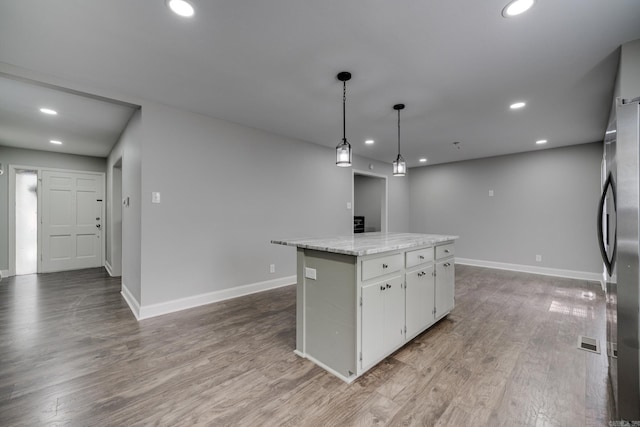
382, 288
446, 264
421, 257
385, 266
388, 286
446, 251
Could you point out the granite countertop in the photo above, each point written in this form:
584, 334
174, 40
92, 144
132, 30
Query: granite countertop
367, 243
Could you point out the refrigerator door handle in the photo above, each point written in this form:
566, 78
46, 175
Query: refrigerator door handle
608, 262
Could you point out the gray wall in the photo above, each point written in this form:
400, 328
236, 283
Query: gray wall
629, 70
226, 191
367, 200
21, 157
127, 149
544, 203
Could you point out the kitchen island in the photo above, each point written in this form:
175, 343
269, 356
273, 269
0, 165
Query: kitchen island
361, 297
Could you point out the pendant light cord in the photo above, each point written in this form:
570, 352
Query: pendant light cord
344, 111
398, 132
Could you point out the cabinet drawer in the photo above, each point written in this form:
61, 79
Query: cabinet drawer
379, 266
444, 251
418, 257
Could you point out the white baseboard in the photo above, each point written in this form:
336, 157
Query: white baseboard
4, 273
107, 267
571, 274
153, 310
134, 305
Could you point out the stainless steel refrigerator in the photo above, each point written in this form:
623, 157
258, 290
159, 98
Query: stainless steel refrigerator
618, 234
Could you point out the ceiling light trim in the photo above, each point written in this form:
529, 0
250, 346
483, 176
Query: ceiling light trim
181, 8
517, 7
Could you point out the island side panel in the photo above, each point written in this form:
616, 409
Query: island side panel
330, 311
300, 302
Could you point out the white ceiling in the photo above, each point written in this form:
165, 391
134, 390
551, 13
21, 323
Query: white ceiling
457, 65
85, 125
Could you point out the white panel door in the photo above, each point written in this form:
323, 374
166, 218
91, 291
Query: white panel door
71, 220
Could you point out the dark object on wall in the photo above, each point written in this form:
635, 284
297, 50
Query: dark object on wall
358, 224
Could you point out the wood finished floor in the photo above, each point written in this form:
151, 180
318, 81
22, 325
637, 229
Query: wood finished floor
71, 353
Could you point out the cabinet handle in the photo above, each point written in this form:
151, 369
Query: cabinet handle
382, 288
388, 286
446, 264
421, 256
385, 266
446, 251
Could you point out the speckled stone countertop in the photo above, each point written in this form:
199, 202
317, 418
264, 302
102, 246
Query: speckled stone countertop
367, 243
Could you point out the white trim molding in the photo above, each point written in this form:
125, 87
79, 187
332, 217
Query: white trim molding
570, 274
153, 310
109, 269
134, 305
4, 273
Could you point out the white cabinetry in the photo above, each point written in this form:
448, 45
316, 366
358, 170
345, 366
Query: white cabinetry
444, 287
420, 301
354, 310
382, 319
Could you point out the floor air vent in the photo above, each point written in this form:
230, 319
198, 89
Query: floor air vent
588, 344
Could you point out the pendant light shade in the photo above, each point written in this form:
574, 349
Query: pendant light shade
343, 150
399, 165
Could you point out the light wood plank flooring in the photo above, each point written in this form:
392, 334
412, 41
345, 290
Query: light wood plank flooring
71, 353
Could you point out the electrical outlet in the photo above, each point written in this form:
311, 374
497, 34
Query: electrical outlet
310, 273
490, 193
348, 205
538, 258
272, 268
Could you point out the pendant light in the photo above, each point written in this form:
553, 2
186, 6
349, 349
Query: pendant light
399, 165
343, 150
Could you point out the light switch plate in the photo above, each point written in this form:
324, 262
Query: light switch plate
155, 197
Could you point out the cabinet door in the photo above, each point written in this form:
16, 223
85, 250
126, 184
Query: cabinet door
445, 287
419, 300
373, 324
394, 314
382, 319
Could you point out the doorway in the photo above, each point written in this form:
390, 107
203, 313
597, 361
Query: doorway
26, 214
369, 202
68, 222
113, 261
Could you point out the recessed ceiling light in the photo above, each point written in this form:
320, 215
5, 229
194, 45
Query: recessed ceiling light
422, 160
181, 7
49, 111
53, 141
541, 141
516, 7
369, 141
517, 105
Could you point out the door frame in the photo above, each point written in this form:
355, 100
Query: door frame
384, 214
12, 210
